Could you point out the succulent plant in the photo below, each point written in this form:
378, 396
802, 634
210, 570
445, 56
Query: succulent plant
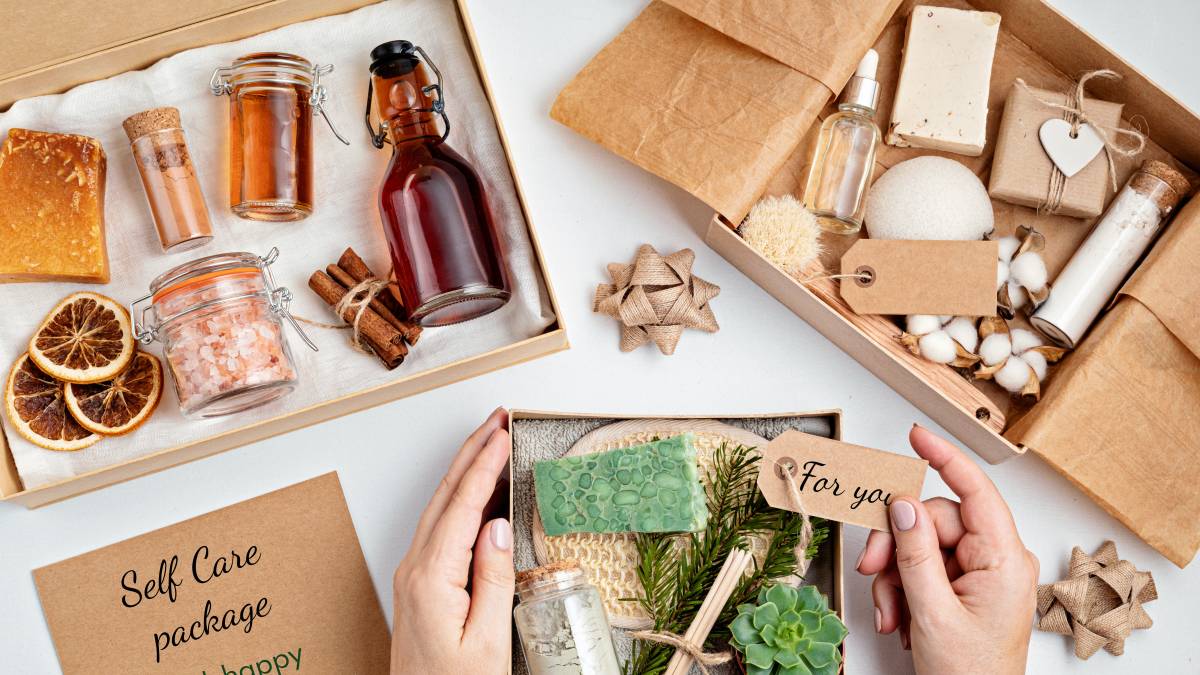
788, 632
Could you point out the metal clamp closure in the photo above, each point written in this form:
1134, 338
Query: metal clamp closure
378, 133
279, 300
220, 84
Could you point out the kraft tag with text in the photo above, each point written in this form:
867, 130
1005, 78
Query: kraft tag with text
839, 481
921, 277
276, 584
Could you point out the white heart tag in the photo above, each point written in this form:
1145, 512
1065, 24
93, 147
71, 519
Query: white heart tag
1070, 155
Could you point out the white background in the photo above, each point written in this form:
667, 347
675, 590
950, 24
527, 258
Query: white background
590, 208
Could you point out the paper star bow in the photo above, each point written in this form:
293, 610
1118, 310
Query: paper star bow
655, 298
1100, 603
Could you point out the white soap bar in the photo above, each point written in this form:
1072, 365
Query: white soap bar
942, 98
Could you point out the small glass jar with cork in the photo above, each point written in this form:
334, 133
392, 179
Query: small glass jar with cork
562, 624
169, 178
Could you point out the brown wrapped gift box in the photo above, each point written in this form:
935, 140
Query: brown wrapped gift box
1021, 169
1121, 417
681, 95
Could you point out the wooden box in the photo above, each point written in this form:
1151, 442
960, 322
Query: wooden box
829, 559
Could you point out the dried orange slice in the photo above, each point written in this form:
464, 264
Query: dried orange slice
119, 405
86, 338
35, 405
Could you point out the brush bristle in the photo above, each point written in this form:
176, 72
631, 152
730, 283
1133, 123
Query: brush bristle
784, 232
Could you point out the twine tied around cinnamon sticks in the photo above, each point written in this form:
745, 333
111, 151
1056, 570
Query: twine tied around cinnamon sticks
1074, 114
370, 307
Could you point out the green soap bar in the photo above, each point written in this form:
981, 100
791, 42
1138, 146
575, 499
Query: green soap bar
647, 488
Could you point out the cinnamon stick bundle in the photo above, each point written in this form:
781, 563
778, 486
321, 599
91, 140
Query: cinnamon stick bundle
357, 269
379, 335
383, 326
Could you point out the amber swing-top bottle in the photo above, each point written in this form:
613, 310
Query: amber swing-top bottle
443, 242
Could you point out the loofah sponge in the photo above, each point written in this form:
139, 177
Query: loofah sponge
784, 232
929, 198
1016, 359
942, 339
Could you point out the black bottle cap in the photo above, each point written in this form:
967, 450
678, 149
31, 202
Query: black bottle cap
401, 51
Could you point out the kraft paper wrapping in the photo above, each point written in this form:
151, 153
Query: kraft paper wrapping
1121, 416
691, 92
1021, 169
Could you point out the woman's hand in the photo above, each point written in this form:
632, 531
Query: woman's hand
440, 626
954, 578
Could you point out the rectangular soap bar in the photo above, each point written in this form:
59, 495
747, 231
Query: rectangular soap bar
942, 96
52, 208
647, 488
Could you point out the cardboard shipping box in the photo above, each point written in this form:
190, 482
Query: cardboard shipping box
91, 48
1036, 43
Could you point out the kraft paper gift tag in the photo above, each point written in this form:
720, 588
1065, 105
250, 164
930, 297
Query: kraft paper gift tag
276, 584
835, 480
1120, 417
1021, 169
902, 277
690, 90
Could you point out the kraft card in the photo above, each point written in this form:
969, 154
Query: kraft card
921, 277
835, 480
276, 584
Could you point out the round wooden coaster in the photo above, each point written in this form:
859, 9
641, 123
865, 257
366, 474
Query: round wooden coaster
610, 560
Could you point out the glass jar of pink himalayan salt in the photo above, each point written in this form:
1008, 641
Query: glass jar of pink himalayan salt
220, 321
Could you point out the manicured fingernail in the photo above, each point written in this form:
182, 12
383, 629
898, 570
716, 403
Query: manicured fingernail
858, 563
904, 516
501, 534
878, 621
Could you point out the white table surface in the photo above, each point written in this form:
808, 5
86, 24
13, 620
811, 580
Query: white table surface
589, 208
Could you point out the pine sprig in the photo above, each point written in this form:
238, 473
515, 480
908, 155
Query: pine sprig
676, 571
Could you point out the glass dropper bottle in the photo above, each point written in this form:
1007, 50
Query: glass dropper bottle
845, 154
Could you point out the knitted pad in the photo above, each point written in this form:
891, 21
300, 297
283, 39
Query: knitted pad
610, 560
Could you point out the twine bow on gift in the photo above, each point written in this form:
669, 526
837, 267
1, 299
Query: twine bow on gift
655, 298
1099, 603
1074, 114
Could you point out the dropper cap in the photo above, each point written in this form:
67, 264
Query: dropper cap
863, 89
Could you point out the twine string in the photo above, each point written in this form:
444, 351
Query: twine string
704, 660
358, 299
856, 275
1074, 114
806, 529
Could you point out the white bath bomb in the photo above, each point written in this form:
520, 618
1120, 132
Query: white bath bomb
929, 198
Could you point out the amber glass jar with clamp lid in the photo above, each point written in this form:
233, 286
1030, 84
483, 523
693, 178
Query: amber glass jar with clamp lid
273, 98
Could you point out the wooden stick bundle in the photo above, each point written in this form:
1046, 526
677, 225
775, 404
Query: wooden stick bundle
725, 584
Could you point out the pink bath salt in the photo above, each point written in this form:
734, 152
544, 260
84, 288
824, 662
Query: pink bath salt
235, 344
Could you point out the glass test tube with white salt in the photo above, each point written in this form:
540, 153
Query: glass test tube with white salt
1109, 253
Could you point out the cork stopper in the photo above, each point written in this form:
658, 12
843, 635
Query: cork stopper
547, 572
1144, 182
148, 121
